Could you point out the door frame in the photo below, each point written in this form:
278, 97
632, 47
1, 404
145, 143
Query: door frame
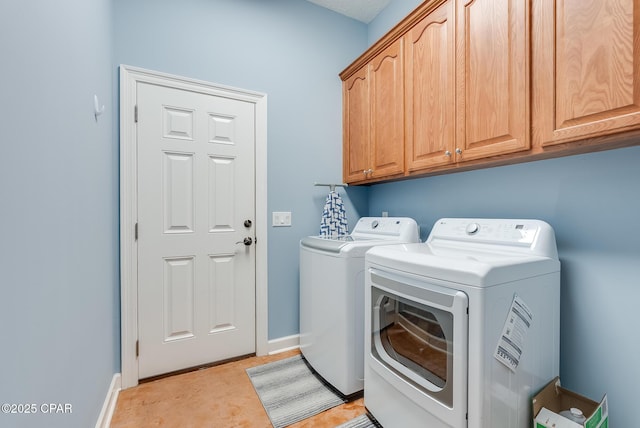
129, 78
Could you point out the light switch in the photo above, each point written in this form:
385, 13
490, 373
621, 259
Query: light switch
282, 218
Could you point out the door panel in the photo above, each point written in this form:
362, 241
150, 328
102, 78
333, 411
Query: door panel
177, 200
178, 292
221, 189
430, 90
387, 112
586, 69
356, 126
493, 78
196, 286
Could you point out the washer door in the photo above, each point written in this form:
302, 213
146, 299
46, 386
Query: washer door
419, 335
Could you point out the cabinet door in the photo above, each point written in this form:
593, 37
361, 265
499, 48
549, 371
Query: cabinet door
492, 77
386, 93
430, 90
356, 118
586, 68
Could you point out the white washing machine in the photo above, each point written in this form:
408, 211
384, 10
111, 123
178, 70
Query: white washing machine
332, 297
463, 330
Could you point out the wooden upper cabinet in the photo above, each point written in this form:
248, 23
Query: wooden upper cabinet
493, 79
461, 84
387, 112
586, 69
356, 120
430, 90
373, 116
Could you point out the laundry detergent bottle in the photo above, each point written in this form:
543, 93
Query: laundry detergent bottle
574, 414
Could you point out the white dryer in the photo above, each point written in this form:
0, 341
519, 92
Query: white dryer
463, 330
332, 297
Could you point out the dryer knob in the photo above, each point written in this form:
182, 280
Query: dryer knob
472, 228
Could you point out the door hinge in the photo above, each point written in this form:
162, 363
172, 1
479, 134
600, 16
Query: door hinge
137, 348
135, 113
136, 232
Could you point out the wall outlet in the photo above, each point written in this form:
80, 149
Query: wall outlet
282, 218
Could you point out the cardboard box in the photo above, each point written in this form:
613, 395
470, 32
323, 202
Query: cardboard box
553, 399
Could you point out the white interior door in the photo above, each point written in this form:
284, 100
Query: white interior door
196, 206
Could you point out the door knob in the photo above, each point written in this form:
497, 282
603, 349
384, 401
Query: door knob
247, 223
246, 241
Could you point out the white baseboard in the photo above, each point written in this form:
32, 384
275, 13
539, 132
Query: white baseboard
284, 344
109, 406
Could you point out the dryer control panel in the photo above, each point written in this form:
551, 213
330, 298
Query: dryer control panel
529, 235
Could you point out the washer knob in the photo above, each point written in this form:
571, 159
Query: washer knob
374, 224
472, 228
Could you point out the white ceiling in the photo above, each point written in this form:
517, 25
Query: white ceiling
362, 10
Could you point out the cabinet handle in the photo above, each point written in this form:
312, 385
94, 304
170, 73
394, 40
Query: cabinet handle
458, 151
367, 171
447, 153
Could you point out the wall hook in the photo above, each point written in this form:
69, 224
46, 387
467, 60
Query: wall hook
97, 110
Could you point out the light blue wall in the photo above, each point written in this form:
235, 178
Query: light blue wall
593, 203
59, 308
389, 17
292, 50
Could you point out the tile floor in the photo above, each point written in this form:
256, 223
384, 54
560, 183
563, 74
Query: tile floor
215, 397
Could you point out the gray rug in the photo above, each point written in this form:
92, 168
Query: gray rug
290, 391
359, 422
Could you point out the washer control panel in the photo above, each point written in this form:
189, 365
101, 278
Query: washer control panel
379, 224
401, 228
